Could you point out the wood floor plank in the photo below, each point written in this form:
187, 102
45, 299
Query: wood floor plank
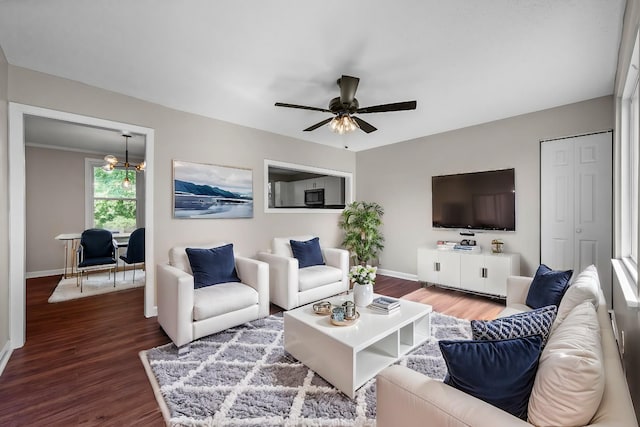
80, 363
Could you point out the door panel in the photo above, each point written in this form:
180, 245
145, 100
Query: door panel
593, 226
557, 204
576, 204
561, 256
471, 272
587, 254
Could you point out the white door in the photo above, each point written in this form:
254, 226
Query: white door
575, 206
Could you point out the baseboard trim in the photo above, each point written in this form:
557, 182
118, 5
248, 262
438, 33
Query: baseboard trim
43, 273
5, 354
152, 312
398, 274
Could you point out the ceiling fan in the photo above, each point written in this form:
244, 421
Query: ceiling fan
346, 106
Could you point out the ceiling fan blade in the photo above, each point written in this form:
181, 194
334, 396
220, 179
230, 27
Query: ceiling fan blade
396, 106
317, 125
302, 107
348, 87
368, 128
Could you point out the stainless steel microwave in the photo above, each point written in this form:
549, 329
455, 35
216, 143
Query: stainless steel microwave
314, 197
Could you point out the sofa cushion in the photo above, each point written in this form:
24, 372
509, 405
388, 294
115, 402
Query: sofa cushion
534, 322
212, 266
548, 287
499, 372
223, 298
308, 253
569, 384
317, 275
585, 287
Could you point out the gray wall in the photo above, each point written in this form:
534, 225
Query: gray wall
399, 178
627, 316
53, 206
63, 201
184, 136
4, 208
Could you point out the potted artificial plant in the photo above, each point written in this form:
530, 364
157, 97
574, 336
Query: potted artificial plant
360, 222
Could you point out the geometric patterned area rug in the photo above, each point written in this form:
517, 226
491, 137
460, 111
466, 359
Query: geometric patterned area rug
243, 376
96, 284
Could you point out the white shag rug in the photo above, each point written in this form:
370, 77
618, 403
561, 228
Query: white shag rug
96, 284
243, 377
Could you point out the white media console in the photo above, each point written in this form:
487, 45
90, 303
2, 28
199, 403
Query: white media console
484, 273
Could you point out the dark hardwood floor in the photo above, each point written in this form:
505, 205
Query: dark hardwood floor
80, 364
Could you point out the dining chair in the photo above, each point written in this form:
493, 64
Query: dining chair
97, 251
135, 251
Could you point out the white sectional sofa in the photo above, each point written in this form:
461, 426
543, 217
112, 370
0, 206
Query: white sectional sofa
408, 398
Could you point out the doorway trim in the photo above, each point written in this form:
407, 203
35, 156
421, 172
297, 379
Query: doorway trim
17, 209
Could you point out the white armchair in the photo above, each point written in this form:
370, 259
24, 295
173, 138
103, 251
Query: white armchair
187, 314
290, 286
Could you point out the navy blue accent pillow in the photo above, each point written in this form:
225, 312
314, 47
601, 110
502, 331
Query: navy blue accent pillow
308, 253
499, 372
212, 266
548, 287
534, 322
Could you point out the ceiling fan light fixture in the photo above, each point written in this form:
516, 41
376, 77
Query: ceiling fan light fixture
343, 124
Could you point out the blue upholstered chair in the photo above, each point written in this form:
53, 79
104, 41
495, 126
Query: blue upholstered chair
97, 251
135, 250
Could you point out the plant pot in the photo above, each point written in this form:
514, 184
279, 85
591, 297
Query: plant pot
362, 294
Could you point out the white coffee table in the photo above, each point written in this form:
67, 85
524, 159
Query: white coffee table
349, 356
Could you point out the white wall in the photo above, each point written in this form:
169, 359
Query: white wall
398, 177
4, 213
184, 136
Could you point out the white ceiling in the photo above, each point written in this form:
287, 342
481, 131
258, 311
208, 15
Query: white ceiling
40, 131
464, 61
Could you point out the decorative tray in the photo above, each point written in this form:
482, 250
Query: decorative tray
322, 308
346, 322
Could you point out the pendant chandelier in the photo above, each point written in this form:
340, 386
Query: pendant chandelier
112, 162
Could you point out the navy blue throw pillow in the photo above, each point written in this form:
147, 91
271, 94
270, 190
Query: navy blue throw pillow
548, 287
212, 266
308, 253
499, 372
534, 322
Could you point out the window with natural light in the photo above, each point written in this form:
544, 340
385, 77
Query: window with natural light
629, 155
634, 139
113, 206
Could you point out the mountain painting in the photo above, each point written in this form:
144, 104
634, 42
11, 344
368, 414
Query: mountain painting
211, 191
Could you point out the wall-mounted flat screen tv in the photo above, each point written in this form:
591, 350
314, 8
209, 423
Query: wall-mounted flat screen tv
475, 201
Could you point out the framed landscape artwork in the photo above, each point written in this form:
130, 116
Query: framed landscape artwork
211, 191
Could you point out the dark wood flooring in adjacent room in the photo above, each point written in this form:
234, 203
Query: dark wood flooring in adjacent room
80, 364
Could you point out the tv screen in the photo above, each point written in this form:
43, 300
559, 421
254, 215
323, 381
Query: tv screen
476, 201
